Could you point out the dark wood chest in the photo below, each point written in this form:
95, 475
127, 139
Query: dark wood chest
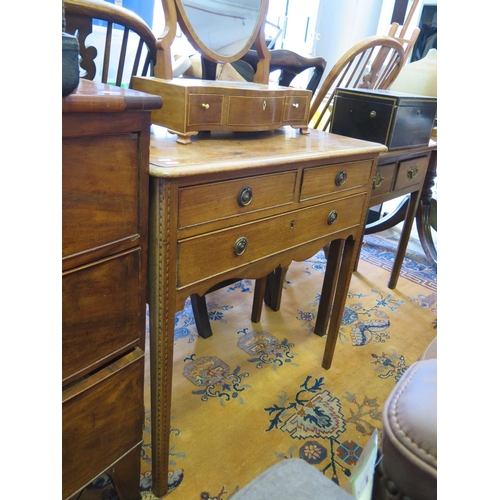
397, 120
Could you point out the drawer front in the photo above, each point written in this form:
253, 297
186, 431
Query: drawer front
100, 312
321, 181
411, 172
101, 422
383, 179
205, 109
255, 110
212, 254
220, 200
296, 109
100, 181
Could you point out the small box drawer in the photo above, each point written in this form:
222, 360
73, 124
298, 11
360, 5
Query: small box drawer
411, 172
296, 109
102, 418
100, 186
100, 312
257, 240
321, 181
205, 109
252, 111
220, 200
383, 179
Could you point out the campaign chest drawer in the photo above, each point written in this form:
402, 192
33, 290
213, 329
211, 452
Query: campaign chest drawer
329, 179
100, 312
225, 199
395, 119
102, 418
240, 245
100, 191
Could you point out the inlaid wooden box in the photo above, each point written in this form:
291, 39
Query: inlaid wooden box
397, 120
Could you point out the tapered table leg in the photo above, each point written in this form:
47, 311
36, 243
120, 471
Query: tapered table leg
342, 286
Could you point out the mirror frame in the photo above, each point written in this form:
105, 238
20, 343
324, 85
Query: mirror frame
174, 13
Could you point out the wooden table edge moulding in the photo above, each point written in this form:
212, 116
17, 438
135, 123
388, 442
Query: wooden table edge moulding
238, 205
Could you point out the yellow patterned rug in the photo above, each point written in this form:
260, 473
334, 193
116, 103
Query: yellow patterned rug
255, 394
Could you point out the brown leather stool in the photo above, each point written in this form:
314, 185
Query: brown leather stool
408, 467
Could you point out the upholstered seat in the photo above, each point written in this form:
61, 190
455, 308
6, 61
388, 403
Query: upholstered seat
408, 467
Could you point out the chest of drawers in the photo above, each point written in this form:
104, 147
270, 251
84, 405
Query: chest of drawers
105, 157
238, 205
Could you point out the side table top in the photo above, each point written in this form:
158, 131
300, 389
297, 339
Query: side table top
220, 151
96, 97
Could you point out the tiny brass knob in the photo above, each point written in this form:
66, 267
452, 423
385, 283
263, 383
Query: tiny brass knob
377, 180
205, 105
240, 246
340, 178
332, 217
245, 196
412, 171
373, 114
295, 105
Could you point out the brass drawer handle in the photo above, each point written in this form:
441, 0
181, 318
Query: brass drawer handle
245, 196
412, 171
332, 217
340, 178
205, 105
377, 180
240, 246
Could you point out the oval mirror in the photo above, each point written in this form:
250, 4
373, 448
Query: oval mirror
222, 30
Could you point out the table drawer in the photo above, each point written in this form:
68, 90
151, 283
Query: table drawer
251, 111
205, 108
100, 186
205, 256
220, 200
383, 179
321, 181
411, 172
296, 109
101, 306
102, 420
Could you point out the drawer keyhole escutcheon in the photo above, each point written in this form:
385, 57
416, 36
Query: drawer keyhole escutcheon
412, 171
292, 224
245, 196
240, 246
205, 105
264, 104
377, 180
341, 178
332, 217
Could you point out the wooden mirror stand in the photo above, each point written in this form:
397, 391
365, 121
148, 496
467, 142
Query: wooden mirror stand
192, 105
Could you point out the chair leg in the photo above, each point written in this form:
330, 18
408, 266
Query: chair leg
200, 313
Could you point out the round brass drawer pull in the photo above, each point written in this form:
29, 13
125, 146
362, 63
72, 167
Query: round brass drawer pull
377, 180
332, 217
341, 178
245, 196
205, 105
240, 246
